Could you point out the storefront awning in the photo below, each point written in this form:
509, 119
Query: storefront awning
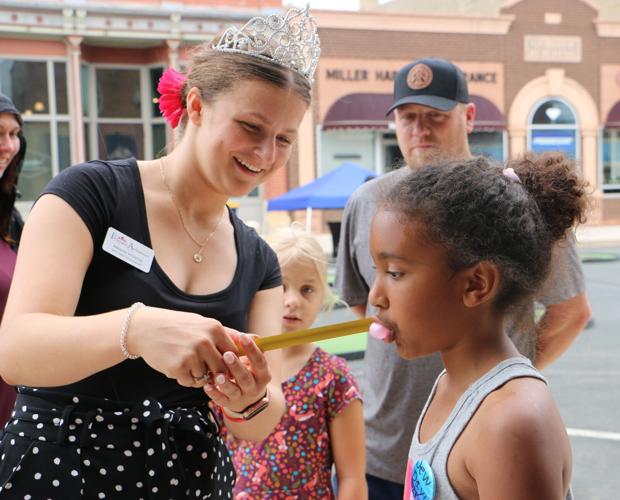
488, 118
365, 110
613, 118
359, 111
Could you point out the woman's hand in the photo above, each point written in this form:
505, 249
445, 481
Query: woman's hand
185, 346
244, 382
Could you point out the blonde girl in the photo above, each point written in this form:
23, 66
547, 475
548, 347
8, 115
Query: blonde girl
323, 423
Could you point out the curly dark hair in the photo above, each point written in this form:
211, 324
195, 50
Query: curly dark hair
479, 214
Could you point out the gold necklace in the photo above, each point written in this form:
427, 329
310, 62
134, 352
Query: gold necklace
198, 254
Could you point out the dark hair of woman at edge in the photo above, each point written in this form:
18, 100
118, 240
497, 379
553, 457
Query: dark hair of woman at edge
11, 221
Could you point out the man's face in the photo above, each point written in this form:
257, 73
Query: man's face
426, 134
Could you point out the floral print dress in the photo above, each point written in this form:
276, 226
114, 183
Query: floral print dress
294, 462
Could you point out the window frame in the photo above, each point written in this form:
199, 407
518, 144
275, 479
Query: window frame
146, 120
52, 118
575, 127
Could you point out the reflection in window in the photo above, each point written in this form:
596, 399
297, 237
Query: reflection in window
553, 112
155, 75
26, 83
84, 79
37, 169
489, 144
119, 141
159, 140
118, 93
64, 146
611, 158
553, 127
60, 82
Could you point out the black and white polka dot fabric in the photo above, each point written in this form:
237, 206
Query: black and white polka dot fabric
96, 448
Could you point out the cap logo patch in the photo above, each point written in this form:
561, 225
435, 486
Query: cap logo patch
419, 77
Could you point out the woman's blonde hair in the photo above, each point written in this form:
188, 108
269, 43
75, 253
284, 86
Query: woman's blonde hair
292, 244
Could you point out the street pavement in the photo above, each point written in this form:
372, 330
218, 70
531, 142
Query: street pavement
585, 381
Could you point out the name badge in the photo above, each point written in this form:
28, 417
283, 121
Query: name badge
128, 250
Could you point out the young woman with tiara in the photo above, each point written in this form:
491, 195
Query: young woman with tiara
134, 281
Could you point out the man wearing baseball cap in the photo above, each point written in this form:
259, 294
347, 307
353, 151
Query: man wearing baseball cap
433, 118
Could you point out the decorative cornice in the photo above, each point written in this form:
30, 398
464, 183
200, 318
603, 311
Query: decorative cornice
610, 29
119, 22
423, 23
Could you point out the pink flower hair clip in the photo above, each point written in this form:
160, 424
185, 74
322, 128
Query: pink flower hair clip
170, 88
511, 174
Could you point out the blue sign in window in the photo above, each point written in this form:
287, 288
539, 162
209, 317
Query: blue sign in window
555, 140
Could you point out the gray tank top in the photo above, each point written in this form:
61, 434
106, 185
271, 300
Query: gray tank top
437, 449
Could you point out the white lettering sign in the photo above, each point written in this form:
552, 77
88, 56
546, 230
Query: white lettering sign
538, 48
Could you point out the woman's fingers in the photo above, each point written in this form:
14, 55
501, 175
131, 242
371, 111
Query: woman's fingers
240, 373
245, 379
256, 359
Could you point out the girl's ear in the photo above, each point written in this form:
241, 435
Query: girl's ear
481, 283
194, 105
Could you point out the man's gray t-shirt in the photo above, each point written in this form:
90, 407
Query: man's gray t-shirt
395, 389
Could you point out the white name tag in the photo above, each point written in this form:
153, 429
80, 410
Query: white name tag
128, 250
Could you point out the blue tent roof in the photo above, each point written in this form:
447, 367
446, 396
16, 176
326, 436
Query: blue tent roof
329, 191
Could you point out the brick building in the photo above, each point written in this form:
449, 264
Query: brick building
84, 74
544, 74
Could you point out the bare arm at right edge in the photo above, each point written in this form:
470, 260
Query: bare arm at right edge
43, 344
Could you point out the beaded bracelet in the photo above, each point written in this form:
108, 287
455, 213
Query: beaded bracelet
125, 326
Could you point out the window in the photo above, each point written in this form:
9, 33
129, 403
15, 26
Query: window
489, 144
122, 117
159, 126
611, 160
39, 91
553, 127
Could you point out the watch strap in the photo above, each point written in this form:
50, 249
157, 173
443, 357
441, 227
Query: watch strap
249, 411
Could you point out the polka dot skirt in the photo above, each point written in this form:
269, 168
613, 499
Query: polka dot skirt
92, 448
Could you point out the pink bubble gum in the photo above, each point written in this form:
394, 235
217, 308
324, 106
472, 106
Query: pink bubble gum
378, 331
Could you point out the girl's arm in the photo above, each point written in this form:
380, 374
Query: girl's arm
43, 344
348, 442
522, 450
265, 318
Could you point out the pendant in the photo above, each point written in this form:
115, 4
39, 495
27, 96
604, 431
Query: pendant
197, 258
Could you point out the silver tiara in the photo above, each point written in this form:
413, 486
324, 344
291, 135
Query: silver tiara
291, 40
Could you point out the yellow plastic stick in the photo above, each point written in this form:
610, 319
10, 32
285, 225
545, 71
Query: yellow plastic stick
309, 335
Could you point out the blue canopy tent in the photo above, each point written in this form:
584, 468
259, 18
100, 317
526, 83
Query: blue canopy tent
332, 190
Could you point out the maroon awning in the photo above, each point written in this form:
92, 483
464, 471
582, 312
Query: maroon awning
359, 111
613, 118
488, 118
366, 110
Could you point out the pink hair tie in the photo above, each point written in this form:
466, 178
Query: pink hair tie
511, 174
170, 88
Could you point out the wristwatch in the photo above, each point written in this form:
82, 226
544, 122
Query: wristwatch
249, 412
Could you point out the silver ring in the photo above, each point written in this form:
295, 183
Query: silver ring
201, 378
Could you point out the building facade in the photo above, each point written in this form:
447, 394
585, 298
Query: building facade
84, 74
544, 75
